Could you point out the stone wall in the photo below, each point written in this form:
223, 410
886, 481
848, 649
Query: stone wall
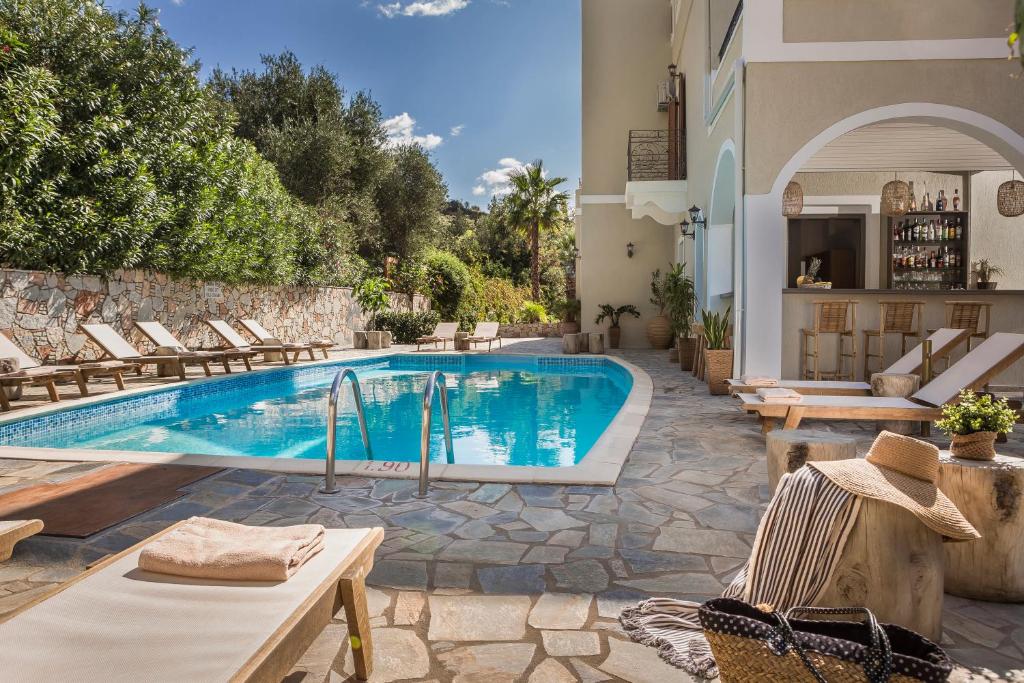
42, 311
529, 330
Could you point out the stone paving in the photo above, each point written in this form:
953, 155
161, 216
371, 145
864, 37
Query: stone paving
499, 582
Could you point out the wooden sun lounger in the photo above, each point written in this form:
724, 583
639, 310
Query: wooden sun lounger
254, 328
444, 333
944, 341
16, 530
973, 371
485, 332
116, 347
34, 373
119, 624
161, 336
234, 340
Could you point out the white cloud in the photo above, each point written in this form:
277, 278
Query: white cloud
421, 8
497, 180
456, 131
401, 131
479, 191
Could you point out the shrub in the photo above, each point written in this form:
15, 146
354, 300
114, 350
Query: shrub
447, 278
406, 328
372, 297
533, 312
974, 413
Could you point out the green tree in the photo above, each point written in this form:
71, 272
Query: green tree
409, 198
535, 205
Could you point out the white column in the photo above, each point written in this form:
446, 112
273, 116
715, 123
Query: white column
764, 278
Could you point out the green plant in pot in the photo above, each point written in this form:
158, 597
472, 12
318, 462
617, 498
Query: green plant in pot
974, 421
717, 354
659, 328
614, 315
984, 272
569, 312
372, 296
681, 300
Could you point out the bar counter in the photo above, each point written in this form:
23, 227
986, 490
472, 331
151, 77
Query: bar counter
797, 312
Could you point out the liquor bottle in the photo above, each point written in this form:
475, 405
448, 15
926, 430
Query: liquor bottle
959, 230
928, 204
913, 199
940, 201
956, 199
932, 260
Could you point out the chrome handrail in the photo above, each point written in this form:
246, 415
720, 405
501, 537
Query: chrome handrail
428, 402
330, 485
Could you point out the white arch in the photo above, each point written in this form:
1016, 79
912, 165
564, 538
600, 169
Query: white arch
721, 214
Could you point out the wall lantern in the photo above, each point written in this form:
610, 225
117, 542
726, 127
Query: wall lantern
793, 200
630, 249
697, 220
896, 198
1010, 197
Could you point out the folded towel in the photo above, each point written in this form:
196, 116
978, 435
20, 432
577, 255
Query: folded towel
212, 549
779, 395
759, 381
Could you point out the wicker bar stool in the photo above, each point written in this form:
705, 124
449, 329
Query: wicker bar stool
975, 316
830, 317
905, 318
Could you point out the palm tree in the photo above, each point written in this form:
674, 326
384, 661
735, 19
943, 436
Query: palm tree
535, 205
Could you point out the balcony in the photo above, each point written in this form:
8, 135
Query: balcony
656, 180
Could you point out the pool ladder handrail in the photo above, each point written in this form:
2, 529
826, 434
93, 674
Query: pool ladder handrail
330, 484
436, 379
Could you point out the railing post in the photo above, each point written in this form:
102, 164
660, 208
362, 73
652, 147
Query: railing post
330, 480
428, 401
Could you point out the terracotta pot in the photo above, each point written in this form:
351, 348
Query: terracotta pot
977, 446
687, 350
572, 327
614, 334
659, 332
717, 369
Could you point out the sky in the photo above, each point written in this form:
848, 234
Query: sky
485, 85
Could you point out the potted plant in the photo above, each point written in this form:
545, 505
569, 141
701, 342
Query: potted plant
974, 422
984, 272
717, 354
372, 296
569, 311
681, 301
613, 315
659, 328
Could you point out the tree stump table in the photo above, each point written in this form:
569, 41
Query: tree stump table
373, 341
893, 565
788, 450
899, 386
461, 342
570, 344
359, 339
990, 494
595, 344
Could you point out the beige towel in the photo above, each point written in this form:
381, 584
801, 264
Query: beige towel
779, 395
759, 381
212, 549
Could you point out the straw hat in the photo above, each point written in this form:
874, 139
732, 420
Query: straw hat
903, 471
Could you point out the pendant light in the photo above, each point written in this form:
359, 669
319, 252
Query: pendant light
1010, 197
896, 197
793, 200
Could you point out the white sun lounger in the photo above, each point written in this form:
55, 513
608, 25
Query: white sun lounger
944, 341
119, 624
444, 333
236, 341
485, 332
973, 371
161, 336
117, 347
261, 333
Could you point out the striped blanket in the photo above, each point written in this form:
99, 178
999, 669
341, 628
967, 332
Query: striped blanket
798, 544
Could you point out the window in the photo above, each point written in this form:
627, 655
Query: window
723, 15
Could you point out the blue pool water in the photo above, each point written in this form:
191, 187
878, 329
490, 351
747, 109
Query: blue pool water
505, 410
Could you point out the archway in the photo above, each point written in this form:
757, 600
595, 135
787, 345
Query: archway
719, 242
764, 246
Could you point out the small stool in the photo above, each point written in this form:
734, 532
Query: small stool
830, 317
461, 343
975, 316
895, 317
570, 344
896, 386
791, 449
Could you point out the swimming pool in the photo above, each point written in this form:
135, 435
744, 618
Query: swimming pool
534, 411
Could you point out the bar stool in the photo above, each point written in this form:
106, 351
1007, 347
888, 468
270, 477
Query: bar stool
905, 318
975, 316
830, 317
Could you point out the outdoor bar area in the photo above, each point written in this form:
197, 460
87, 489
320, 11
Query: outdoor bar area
876, 259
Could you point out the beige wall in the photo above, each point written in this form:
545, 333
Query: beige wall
867, 20
625, 56
995, 237
788, 104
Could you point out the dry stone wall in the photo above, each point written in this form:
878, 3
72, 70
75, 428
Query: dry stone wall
42, 311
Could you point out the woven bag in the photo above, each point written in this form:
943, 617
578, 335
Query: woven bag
754, 645
976, 446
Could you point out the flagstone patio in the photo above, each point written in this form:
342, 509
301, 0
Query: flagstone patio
499, 582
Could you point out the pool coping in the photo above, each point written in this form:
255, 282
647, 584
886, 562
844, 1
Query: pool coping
599, 467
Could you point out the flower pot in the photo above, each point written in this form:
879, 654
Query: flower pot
977, 446
687, 350
614, 334
987, 285
718, 368
569, 327
659, 332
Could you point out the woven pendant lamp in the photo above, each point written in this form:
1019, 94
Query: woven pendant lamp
1010, 198
793, 200
896, 198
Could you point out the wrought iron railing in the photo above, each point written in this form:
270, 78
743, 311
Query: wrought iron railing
657, 155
